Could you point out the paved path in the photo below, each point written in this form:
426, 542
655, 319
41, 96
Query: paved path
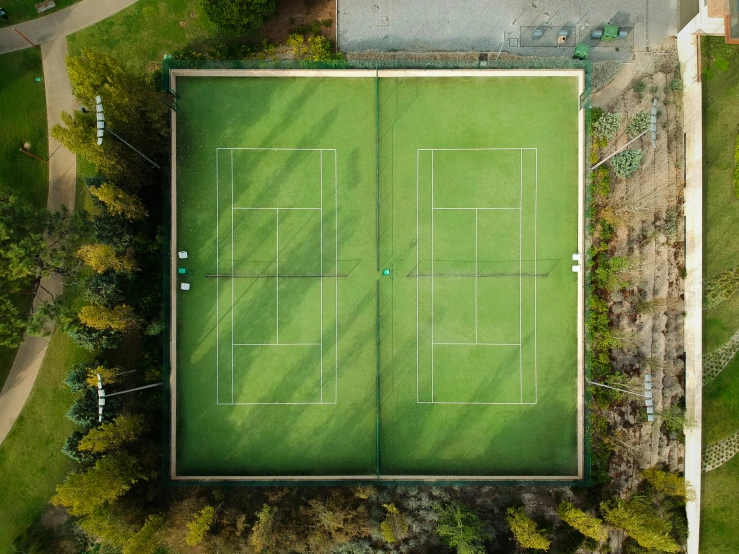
51, 33
60, 24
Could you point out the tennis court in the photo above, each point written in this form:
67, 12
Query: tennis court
380, 275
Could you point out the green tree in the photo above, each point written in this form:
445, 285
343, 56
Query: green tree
460, 528
641, 523
146, 541
119, 202
12, 323
524, 530
239, 15
395, 525
110, 478
333, 521
103, 289
119, 318
199, 525
95, 339
108, 523
111, 436
103, 257
590, 526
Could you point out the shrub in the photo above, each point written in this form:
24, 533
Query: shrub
627, 162
239, 16
607, 126
524, 530
639, 87
395, 525
669, 484
638, 124
676, 85
590, 526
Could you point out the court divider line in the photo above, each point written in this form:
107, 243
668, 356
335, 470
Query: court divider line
321, 282
520, 278
277, 275
232, 281
218, 288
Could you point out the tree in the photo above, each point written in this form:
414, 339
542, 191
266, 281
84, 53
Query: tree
395, 525
112, 230
119, 202
70, 448
84, 411
107, 375
146, 541
263, 536
239, 15
108, 524
669, 484
110, 478
95, 339
103, 257
111, 436
120, 318
460, 528
590, 526
12, 324
76, 378
641, 523
524, 530
103, 289
132, 107
199, 526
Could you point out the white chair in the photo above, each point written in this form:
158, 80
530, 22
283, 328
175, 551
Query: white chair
576, 257
185, 286
182, 254
576, 269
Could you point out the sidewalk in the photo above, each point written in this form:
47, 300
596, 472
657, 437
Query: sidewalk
60, 24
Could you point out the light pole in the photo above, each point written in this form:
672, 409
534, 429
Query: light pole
102, 396
647, 396
101, 128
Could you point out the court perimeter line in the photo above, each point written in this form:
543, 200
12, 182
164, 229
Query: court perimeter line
321, 216
476, 209
477, 343
232, 272
418, 337
277, 344
482, 403
239, 208
277, 276
476, 271
520, 279
218, 263
432, 274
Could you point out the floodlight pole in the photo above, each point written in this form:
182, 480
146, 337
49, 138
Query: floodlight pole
102, 396
616, 388
134, 390
101, 128
604, 160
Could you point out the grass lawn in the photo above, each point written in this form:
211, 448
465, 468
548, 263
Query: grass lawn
145, 31
23, 103
23, 10
720, 510
31, 461
282, 192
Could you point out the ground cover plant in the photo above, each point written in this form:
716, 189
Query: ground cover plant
721, 412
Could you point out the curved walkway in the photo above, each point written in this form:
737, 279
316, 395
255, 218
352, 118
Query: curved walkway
50, 32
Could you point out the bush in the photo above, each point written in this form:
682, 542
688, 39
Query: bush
676, 85
639, 87
638, 124
199, 526
590, 526
607, 126
627, 162
524, 530
239, 16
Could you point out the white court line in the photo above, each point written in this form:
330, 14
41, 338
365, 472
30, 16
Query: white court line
477, 343
520, 208
277, 274
432, 274
277, 344
321, 328
336, 279
475, 276
232, 273
476, 209
218, 319
536, 302
279, 404
520, 279
482, 403
237, 208
282, 149
418, 337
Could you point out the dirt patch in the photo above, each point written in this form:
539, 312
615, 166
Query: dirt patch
296, 13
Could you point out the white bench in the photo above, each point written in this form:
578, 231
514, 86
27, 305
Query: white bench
43, 6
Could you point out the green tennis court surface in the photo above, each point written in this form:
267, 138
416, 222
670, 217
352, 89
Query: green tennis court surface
294, 357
